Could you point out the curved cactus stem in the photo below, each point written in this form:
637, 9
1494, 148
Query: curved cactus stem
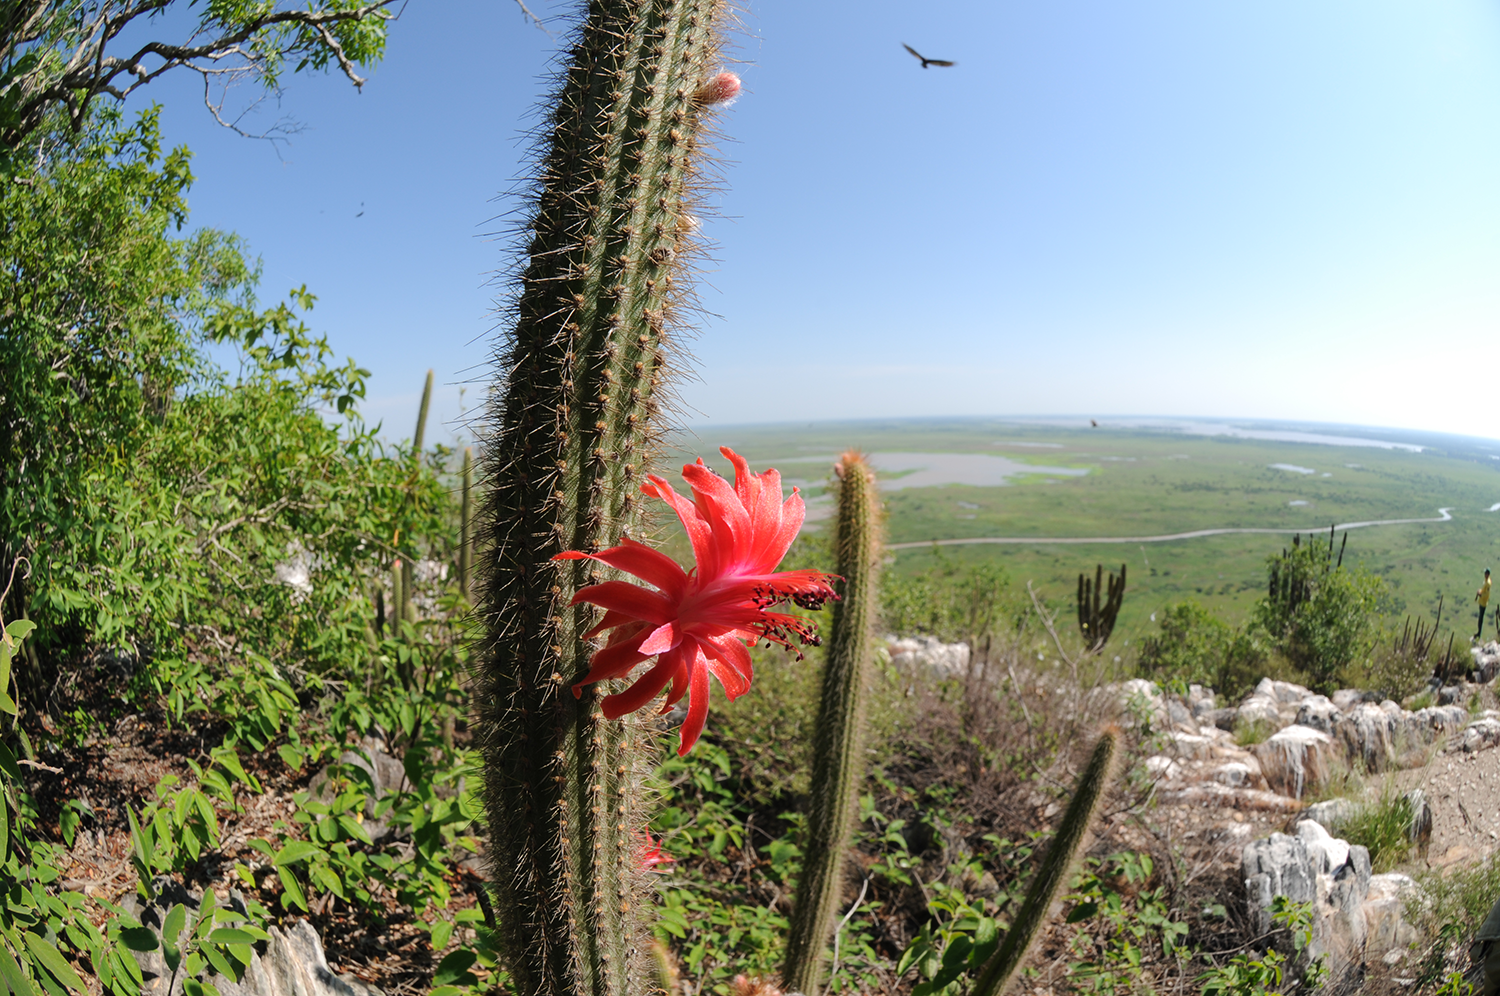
603, 277
1053, 875
838, 744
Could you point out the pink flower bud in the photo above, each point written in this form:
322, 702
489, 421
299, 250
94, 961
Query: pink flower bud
722, 89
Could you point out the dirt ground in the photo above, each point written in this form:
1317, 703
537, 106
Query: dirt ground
1463, 791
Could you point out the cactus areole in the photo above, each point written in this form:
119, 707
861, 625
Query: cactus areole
572, 421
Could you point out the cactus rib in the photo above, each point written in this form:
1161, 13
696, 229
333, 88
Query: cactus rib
838, 748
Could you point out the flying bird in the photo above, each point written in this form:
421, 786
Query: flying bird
1093, 423
926, 61
361, 210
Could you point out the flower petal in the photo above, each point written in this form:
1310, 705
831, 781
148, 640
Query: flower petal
719, 504
699, 532
646, 688
732, 652
663, 638
631, 599
697, 713
610, 662
649, 565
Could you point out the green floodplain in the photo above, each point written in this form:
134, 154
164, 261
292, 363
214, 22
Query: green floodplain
963, 479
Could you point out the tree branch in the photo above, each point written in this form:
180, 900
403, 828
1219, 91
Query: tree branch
90, 69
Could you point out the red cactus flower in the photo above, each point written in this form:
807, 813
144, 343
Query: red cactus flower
696, 623
651, 854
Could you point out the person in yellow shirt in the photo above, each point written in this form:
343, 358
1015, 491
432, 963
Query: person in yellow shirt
1482, 596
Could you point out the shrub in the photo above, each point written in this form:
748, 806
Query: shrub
1197, 647
953, 603
1317, 614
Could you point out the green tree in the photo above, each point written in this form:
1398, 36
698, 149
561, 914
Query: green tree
58, 55
151, 493
1319, 614
96, 303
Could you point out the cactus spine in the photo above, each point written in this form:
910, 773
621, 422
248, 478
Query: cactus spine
570, 427
465, 527
1054, 872
838, 743
421, 433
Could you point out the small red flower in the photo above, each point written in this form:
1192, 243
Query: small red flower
696, 623
651, 854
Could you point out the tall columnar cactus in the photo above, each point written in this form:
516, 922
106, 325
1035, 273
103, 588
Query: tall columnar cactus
1052, 876
421, 433
838, 745
1096, 616
465, 526
571, 426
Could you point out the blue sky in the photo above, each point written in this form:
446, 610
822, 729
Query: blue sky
1236, 210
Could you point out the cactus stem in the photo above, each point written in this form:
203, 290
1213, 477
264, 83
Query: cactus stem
421, 433
1056, 868
838, 741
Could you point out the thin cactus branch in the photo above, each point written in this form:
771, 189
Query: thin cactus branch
839, 761
1050, 879
465, 527
421, 433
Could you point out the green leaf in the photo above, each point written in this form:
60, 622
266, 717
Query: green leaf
454, 969
355, 829
171, 929
1082, 911
67, 822
8, 763
10, 973
138, 938
294, 851
231, 935
19, 629
291, 756
293, 895
442, 933
221, 964
52, 960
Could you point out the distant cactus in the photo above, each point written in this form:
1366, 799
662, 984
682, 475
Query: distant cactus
1292, 578
838, 741
604, 278
421, 433
465, 527
1049, 880
1096, 617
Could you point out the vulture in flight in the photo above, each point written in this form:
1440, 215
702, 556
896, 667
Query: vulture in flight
926, 61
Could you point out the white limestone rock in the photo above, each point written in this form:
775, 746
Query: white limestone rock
928, 653
1295, 759
1318, 712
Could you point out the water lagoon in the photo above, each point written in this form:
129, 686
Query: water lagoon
981, 470
931, 470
